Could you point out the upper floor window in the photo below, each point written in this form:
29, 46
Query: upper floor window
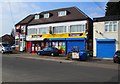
59, 29
111, 26
32, 31
37, 16
23, 29
62, 13
77, 28
47, 15
43, 30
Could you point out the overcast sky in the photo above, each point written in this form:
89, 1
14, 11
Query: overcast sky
13, 12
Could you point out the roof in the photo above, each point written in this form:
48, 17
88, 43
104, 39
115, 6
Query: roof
26, 20
107, 18
73, 14
7, 38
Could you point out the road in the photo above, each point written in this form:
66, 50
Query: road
15, 69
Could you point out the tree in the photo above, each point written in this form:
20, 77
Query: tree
13, 33
112, 8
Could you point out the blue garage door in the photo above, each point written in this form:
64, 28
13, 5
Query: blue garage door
105, 48
72, 43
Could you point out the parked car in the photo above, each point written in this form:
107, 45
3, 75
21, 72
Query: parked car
49, 51
13, 46
88, 52
116, 57
4, 48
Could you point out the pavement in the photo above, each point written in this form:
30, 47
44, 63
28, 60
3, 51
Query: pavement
62, 58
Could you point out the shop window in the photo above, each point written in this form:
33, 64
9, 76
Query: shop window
111, 26
59, 29
77, 28
59, 45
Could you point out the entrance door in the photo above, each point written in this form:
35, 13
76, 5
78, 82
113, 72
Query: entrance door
80, 44
29, 47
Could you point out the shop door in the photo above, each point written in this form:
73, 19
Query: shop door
80, 44
29, 47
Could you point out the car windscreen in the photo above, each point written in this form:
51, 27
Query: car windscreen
54, 48
117, 53
45, 49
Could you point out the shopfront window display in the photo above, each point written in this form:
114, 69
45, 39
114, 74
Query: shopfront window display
59, 45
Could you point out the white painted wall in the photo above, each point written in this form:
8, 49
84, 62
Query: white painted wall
58, 24
99, 26
67, 24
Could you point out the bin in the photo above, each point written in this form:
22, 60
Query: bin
75, 55
83, 56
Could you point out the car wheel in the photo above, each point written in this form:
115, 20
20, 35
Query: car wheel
39, 53
52, 54
114, 61
11, 52
2, 52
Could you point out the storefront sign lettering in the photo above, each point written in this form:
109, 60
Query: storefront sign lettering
76, 34
66, 35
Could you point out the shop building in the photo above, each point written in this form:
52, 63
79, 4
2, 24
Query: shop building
106, 36
62, 28
21, 31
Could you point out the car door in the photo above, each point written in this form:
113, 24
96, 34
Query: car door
43, 52
49, 51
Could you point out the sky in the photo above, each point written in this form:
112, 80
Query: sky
13, 12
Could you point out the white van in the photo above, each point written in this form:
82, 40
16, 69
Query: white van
4, 48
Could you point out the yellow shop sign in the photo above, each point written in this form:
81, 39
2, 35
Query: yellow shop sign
64, 35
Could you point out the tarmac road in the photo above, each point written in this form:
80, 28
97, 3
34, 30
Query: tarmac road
17, 69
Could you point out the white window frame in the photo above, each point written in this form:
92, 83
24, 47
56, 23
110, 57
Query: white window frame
62, 13
107, 23
32, 31
37, 16
44, 28
59, 30
47, 15
23, 28
83, 29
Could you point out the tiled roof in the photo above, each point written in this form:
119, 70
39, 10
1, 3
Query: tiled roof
26, 20
8, 39
73, 14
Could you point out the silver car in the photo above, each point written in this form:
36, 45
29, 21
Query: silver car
4, 48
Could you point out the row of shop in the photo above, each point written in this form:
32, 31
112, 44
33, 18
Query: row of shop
64, 44
74, 28
105, 48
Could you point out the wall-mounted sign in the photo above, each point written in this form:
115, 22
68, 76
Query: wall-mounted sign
66, 35
77, 34
36, 36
